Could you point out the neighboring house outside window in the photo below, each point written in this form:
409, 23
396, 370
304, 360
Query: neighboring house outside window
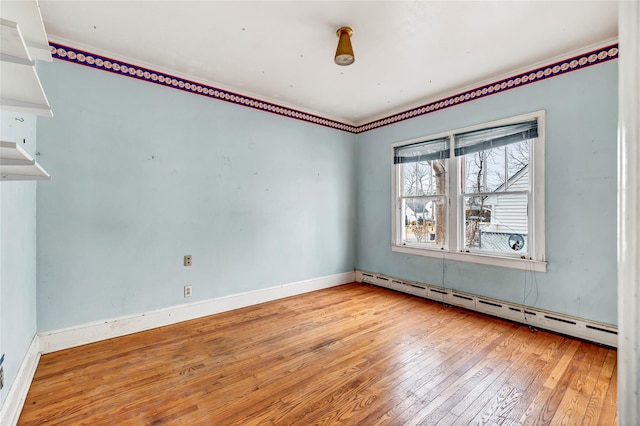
474, 194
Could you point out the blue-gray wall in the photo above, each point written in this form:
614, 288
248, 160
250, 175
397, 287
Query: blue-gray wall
580, 160
144, 174
17, 254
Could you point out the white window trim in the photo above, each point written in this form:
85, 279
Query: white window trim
453, 249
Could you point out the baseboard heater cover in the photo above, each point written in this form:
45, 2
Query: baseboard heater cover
604, 334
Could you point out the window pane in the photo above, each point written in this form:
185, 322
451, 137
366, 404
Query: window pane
485, 170
423, 178
496, 223
424, 221
518, 166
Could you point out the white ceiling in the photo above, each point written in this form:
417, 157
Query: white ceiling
407, 53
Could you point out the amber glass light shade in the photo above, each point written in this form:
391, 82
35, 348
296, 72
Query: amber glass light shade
344, 52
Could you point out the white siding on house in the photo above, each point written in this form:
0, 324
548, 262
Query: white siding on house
510, 214
520, 181
509, 211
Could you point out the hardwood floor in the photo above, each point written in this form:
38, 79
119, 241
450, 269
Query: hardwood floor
353, 354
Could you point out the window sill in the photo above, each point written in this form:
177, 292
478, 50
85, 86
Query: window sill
482, 259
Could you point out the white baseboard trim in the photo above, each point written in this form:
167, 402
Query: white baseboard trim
51, 341
17, 394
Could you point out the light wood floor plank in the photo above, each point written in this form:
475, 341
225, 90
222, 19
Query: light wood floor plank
353, 355
483, 398
551, 354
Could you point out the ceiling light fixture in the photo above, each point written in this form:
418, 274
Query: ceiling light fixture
344, 52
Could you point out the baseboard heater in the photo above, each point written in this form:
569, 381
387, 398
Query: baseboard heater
604, 334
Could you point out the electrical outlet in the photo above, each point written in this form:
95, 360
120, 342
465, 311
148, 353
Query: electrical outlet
188, 291
187, 260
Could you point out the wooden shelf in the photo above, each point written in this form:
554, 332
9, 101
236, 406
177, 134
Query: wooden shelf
20, 88
27, 15
12, 42
17, 164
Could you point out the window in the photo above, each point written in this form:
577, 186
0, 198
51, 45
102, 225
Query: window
423, 191
474, 194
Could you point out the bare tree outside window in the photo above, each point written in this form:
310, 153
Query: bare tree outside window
423, 186
488, 172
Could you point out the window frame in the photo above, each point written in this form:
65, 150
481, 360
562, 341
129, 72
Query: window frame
454, 243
